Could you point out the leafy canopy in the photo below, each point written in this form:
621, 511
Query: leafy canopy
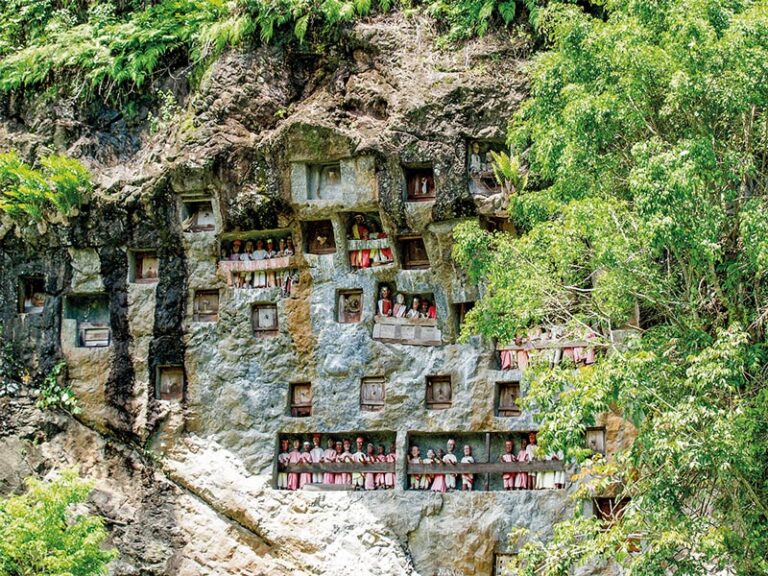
51, 193
42, 535
95, 49
646, 140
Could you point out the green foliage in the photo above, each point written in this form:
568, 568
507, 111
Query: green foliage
55, 395
467, 18
509, 172
95, 50
102, 51
646, 138
169, 107
54, 191
42, 534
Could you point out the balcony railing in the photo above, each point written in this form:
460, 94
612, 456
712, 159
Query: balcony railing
414, 331
232, 267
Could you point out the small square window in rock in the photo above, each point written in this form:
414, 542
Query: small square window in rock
414, 253
318, 237
350, 306
439, 392
90, 312
462, 308
501, 562
206, 306
264, 320
497, 224
301, 399
198, 216
170, 383
323, 181
482, 180
609, 510
372, 394
31, 294
420, 184
595, 438
144, 267
507, 394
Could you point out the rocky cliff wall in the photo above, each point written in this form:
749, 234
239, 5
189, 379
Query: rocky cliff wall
189, 485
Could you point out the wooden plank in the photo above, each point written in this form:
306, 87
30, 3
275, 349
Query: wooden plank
488, 458
554, 344
486, 467
338, 467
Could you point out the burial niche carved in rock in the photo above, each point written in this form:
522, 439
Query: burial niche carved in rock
301, 399
264, 320
324, 181
439, 392
507, 394
31, 294
206, 306
406, 318
595, 439
319, 237
197, 216
350, 306
144, 267
90, 314
420, 183
414, 253
482, 180
372, 394
367, 243
170, 383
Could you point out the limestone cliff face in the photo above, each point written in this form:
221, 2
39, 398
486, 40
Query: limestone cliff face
189, 486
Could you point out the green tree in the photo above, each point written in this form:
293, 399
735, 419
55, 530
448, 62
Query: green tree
41, 534
646, 139
51, 193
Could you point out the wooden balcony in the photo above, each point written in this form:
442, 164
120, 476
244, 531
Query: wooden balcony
231, 267
413, 331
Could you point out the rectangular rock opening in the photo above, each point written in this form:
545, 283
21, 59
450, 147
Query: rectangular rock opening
461, 310
31, 295
261, 259
318, 237
349, 306
497, 224
324, 181
264, 320
485, 461
170, 383
143, 267
206, 306
595, 439
419, 183
406, 318
439, 393
413, 253
336, 461
367, 243
372, 394
507, 394
482, 180
90, 313
300, 394
197, 215
502, 561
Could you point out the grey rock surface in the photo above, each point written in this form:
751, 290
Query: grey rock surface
205, 503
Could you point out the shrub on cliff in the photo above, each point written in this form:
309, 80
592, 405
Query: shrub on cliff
646, 138
43, 534
51, 193
99, 50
